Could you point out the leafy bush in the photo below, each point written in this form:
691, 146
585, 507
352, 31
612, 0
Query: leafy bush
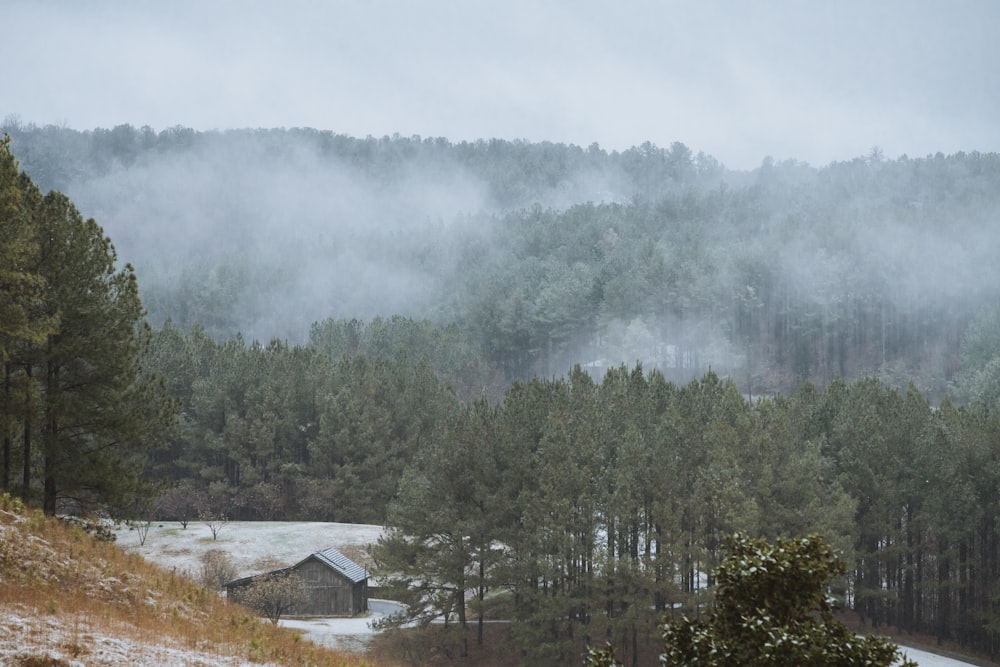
772, 609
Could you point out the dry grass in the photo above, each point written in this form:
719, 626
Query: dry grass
54, 572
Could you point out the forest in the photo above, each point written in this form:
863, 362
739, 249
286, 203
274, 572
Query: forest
561, 376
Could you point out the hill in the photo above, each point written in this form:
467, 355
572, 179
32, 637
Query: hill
70, 598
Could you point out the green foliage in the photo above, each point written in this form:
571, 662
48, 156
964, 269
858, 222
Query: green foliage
772, 609
978, 379
601, 657
284, 432
442, 545
72, 333
9, 503
610, 502
103, 412
21, 286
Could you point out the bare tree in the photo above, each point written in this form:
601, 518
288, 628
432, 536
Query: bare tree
141, 512
214, 520
180, 503
141, 529
274, 594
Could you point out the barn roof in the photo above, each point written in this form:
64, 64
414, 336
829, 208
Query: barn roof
340, 563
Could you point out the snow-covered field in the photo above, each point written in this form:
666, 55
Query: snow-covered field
253, 545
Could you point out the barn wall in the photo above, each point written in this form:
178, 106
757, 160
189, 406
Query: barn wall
329, 594
360, 596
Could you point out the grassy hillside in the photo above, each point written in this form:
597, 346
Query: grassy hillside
68, 598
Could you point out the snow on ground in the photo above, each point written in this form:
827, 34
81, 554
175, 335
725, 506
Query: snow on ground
27, 635
925, 659
251, 544
345, 634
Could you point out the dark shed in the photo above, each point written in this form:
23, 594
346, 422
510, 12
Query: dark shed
335, 585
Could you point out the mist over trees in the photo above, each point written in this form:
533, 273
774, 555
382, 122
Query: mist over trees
531, 361
549, 255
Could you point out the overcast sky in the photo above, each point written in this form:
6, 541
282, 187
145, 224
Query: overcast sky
812, 80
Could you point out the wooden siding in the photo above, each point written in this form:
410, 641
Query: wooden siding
329, 593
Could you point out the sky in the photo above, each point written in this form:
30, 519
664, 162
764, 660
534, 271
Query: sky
809, 80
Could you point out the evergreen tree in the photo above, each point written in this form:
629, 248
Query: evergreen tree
442, 542
21, 287
22, 290
102, 411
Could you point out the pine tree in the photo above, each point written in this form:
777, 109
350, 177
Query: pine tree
21, 293
442, 545
101, 410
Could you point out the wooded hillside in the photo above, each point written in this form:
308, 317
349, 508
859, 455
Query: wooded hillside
547, 255
560, 375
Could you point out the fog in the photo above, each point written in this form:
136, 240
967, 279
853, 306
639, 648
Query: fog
770, 97
740, 80
316, 234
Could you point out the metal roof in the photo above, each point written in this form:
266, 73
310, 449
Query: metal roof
329, 557
341, 563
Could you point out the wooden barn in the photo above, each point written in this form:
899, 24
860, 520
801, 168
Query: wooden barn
335, 585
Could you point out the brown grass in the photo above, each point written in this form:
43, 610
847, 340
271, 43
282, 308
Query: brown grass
50, 569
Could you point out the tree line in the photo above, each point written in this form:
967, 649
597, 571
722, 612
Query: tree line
585, 510
518, 173
585, 506
319, 431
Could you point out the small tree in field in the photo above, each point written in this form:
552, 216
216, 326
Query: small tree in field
141, 529
180, 503
217, 569
215, 522
273, 595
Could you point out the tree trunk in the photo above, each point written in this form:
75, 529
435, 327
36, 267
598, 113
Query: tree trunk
482, 596
464, 645
5, 482
49, 445
944, 593
26, 438
49, 498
